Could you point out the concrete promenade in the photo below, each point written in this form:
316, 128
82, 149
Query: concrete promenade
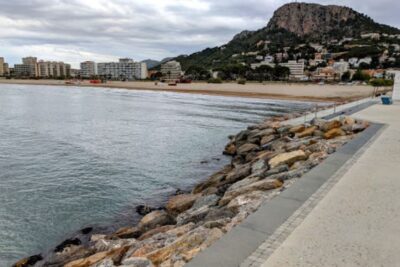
357, 221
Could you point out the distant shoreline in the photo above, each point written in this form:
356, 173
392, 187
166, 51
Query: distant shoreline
281, 90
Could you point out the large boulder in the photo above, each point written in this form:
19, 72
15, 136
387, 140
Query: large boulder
184, 244
192, 215
105, 263
144, 209
318, 122
213, 180
180, 203
245, 182
307, 132
207, 200
230, 149
277, 170
116, 255
334, 133
259, 166
287, 158
127, 232
297, 129
359, 126
155, 219
29, 261
262, 133
137, 262
247, 202
218, 213
263, 185
267, 139
246, 148
330, 125
69, 254
158, 230
347, 121
237, 174
107, 244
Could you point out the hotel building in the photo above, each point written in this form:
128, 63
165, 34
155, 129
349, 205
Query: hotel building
88, 69
124, 69
171, 70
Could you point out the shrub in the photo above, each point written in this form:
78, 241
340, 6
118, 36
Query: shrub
215, 80
381, 82
241, 81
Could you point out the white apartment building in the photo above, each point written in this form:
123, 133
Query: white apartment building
52, 69
296, 69
88, 69
262, 63
171, 70
341, 67
125, 69
353, 61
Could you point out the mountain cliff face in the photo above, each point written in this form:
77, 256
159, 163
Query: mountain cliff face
308, 19
318, 21
291, 24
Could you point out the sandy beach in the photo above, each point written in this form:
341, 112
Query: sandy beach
289, 91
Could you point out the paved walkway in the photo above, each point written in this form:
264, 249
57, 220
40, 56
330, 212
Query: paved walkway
357, 223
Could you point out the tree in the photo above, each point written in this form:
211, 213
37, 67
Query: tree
264, 72
346, 76
281, 73
360, 76
197, 73
364, 66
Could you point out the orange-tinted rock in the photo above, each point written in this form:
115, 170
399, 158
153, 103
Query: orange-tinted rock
331, 125
116, 256
334, 133
287, 158
180, 203
297, 129
246, 148
307, 132
230, 149
127, 232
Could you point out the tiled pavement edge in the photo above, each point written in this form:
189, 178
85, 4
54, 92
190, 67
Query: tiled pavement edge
274, 220
275, 240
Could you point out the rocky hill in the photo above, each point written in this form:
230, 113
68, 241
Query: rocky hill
318, 21
291, 24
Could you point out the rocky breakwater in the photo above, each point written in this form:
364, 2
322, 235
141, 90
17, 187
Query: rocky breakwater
266, 159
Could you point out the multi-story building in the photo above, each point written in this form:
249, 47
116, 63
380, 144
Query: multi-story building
75, 73
2, 72
51, 69
28, 68
124, 69
32, 63
341, 67
296, 69
88, 69
171, 70
25, 71
6, 69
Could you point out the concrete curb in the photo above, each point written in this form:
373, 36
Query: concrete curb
238, 245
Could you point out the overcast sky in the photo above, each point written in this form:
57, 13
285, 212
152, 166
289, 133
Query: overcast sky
104, 30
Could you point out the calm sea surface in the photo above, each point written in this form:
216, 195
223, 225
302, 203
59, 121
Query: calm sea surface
73, 157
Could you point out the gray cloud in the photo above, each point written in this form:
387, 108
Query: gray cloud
74, 30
